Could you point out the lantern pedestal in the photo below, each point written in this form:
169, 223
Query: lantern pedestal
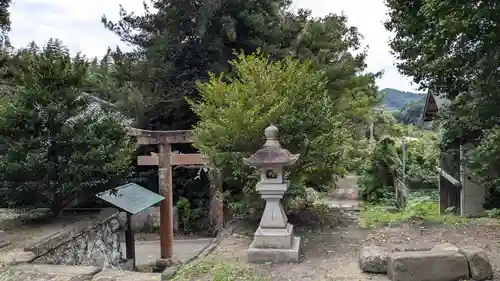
274, 241
274, 255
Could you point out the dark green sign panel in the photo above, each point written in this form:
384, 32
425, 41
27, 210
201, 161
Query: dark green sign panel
131, 198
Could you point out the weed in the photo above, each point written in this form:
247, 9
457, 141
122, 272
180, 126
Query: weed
219, 270
374, 215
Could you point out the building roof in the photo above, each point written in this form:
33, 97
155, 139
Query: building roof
96, 107
433, 102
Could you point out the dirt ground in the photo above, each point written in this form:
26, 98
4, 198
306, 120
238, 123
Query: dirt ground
332, 254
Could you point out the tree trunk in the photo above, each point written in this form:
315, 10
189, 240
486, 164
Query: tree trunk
216, 206
57, 209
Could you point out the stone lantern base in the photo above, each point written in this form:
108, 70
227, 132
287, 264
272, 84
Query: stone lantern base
275, 255
274, 245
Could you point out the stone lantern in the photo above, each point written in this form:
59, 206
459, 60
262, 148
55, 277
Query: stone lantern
273, 241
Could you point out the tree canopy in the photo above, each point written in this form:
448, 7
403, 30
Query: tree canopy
55, 144
452, 48
174, 52
446, 46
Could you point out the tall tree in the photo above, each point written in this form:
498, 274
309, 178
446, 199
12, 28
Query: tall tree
446, 46
453, 48
4, 19
55, 145
182, 41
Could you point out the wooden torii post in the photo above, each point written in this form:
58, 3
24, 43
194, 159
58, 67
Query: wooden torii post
165, 159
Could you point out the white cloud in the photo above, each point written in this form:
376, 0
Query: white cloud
78, 24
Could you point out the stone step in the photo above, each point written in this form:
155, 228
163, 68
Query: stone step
23, 272
121, 275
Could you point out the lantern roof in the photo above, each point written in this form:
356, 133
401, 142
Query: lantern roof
272, 154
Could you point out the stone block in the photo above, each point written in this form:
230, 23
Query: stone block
3, 239
63, 272
169, 272
445, 247
273, 238
479, 264
123, 275
12, 258
257, 255
412, 247
373, 259
427, 266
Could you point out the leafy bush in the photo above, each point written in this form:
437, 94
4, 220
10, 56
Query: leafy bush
187, 214
376, 179
386, 162
234, 112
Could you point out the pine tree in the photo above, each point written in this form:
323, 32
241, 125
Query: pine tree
55, 144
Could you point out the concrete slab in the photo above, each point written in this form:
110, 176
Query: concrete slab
147, 252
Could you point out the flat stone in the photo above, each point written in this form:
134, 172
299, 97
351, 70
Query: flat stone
445, 247
123, 275
427, 266
479, 264
257, 255
13, 257
25, 272
373, 259
169, 272
411, 247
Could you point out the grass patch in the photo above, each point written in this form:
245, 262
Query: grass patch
215, 269
374, 215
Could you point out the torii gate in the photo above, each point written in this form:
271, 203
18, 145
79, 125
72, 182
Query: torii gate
165, 159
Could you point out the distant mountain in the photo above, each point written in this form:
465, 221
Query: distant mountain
395, 99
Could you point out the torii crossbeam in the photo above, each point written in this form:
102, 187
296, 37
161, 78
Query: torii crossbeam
165, 160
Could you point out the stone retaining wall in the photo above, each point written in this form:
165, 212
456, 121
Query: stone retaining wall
95, 242
149, 219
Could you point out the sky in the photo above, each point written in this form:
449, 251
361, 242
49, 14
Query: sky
78, 24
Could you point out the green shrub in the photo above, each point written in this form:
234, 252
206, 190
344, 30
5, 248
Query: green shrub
292, 95
386, 162
187, 214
